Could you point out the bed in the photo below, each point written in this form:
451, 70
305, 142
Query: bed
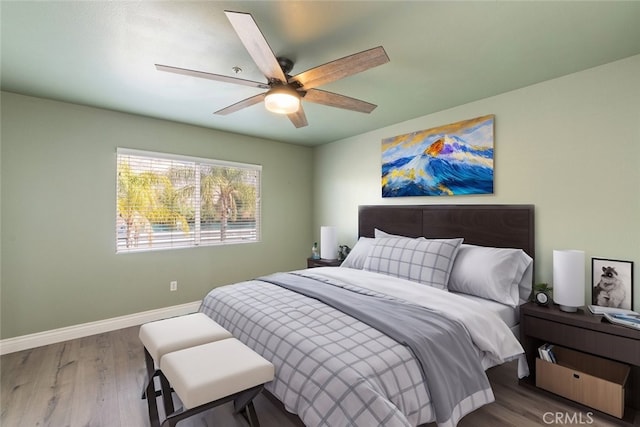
387, 339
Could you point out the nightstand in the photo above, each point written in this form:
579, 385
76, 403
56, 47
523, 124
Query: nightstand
321, 262
586, 333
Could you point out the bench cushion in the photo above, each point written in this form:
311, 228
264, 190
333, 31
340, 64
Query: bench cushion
212, 371
167, 335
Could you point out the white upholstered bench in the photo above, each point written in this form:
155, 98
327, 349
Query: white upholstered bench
169, 335
211, 374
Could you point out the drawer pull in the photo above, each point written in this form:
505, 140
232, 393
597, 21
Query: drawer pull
576, 375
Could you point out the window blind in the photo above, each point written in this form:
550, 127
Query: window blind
170, 201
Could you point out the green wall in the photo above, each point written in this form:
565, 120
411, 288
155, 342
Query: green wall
59, 266
570, 146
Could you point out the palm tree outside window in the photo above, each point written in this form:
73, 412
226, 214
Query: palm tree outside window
168, 201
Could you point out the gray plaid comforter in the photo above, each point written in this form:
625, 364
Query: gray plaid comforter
331, 369
452, 369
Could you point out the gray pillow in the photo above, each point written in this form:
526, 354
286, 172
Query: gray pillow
491, 273
427, 261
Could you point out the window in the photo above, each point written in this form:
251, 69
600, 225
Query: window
169, 201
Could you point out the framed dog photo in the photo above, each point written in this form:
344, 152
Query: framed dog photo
612, 283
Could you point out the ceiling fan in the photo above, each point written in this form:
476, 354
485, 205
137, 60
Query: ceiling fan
285, 91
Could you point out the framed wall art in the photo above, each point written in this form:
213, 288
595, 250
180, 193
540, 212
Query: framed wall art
453, 159
612, 283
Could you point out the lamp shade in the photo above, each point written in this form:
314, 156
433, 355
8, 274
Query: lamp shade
568, 279
328, 242
282, 100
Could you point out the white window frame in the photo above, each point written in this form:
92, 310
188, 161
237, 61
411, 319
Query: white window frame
135, 226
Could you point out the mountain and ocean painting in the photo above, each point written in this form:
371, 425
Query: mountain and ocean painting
449, 160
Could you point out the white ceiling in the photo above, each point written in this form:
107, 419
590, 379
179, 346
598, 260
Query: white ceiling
442, 54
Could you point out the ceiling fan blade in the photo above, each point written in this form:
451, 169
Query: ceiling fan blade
299, 119
242, 104
341, 68
211, 76
336, 100
255, 43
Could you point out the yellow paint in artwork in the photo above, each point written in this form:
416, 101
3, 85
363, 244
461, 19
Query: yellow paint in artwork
409, 174
397, 140
445, 189
406, 174
455, 128
397, 173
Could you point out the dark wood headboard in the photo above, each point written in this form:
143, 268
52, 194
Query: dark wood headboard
502, 226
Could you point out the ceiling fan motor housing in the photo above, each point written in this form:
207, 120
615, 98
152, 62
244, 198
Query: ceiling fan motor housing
286, 64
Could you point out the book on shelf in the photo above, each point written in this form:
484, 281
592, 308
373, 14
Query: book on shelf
545, 352
628, 320
596, 309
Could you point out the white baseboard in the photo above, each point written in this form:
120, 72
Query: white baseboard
24, 342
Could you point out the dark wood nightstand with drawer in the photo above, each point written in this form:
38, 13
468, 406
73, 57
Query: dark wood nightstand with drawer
587, 333
321, 262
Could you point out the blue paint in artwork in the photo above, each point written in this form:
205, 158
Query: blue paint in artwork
396, 164
443, 175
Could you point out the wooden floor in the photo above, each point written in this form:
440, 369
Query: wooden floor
96, 382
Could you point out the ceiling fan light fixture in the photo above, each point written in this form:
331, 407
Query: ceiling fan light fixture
282, 100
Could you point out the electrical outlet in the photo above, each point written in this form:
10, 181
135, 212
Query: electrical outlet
173, 285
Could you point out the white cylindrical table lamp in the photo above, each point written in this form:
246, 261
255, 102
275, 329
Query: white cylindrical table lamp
568, 279
328, 242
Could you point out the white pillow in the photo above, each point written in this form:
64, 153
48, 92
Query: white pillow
491, 273
526, 284
359, 253
377, 233
427, 261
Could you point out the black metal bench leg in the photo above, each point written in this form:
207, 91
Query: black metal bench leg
167, 399
151, 372
152, 404
251, 416
176, 417
242, 403
149, 388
